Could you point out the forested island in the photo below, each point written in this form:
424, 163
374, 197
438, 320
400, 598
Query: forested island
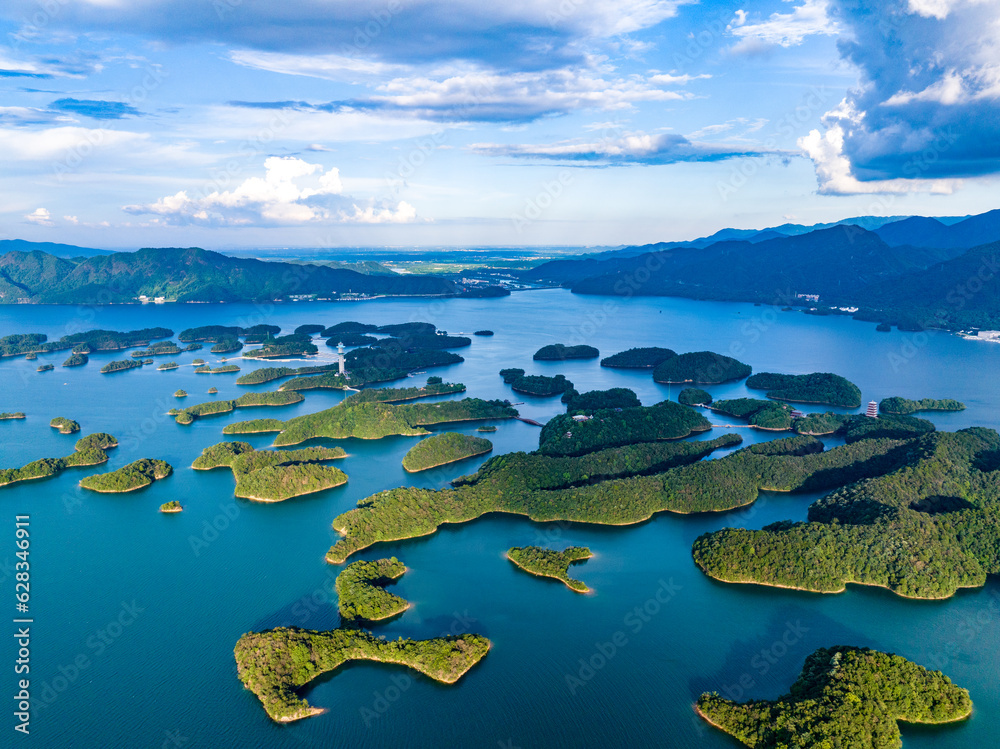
224, 369
180, 394
267, 374
361, 593
46, 368
64, 425
561, 352
351, 339
758, 413
540, 385
169, 365
428, 342
819, 387
120, 366
275, 663
76, 360
11, 415
376, 420
172, 506
596, 400
923, 525
846, 697
441, 449
548, 563
700, 368
86, 342
285, 346
247, 400
274, 475
433, 387
638, 358
128, 478
90, 451
905, 406
694, 397
160, 348
483, 332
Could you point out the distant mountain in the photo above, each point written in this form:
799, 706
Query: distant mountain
51, 248
189, 275
930, 232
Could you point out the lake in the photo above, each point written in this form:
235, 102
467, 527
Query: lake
136, 613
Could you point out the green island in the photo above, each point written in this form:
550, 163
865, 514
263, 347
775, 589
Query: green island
429, 342
76, 360
267, 374
46, 368
212, 391
90, 451
86, 342
247, 400
883, 327
350, 326
617, 486
700, 368
64, 425
561, 352
11, 415
209, 333
227, 346
168, 365
614, 486
361, 593
548, 563
274, 475
375, 420
483, 332
904, 406
193, 347
638, 358
180, 394
120, 366
923, 527
284, 346
399, 330
568, 435
694, 397
846, 697
487, 428
224, 369
355, 379
147, 361
351, 339
540, 385
405, 358
31, 356
275, 663
595, 400
819, 387
197, 362
160, 348
309, 329
172, 506
761, 414
128, 478
433, 387
441, 449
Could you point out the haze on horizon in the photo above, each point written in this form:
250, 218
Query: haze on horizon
241, 123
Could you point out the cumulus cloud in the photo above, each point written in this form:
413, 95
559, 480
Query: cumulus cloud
926, 112
782, 29
40, 216
635, 148
291, 192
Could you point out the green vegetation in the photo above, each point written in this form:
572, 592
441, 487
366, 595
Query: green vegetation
212, 391
883, 327
905, 406
309, 329
540, 385
180, 394
274, 475
818, 387
224, 369
273, 664
433, 341
487, 428
90, 451
46, 368
399, 330
922, 528
399, 358
267, 374
227, 346
129, 478
352, 339
11, 415
547, 563
700, 368
440, 449
84, 343
361, 592
563, 435
119, 366
197, 362
694, 397
845, 697
349, 327
819, 424
31, 356
254, 426
247, 400
483, 332
561, 352
147, 361
64, 425
889, 427
193, 347
596, 400
76, 360
168, 365
617, 486
172, 506
759, 413
285, 346
638, 358
159, 348
377, 420
328, 380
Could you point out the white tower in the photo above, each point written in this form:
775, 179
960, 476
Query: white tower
340, 357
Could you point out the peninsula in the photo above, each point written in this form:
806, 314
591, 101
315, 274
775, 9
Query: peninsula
441, 449
361, 593
128, 478
274, 475
90, 451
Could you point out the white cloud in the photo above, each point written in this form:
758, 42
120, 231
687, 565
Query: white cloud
938, 9
783, 29
328, 66
949, 90
291, 192
40, 216
59, 143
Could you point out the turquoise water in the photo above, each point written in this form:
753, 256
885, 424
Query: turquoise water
136, 613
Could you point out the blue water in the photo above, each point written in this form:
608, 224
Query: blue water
136, 613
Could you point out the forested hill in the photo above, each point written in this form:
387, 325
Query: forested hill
188, 275
835, 263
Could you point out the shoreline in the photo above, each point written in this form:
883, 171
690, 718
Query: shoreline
586, 588
449, 462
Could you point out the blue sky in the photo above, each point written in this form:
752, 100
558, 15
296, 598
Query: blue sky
243, 123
